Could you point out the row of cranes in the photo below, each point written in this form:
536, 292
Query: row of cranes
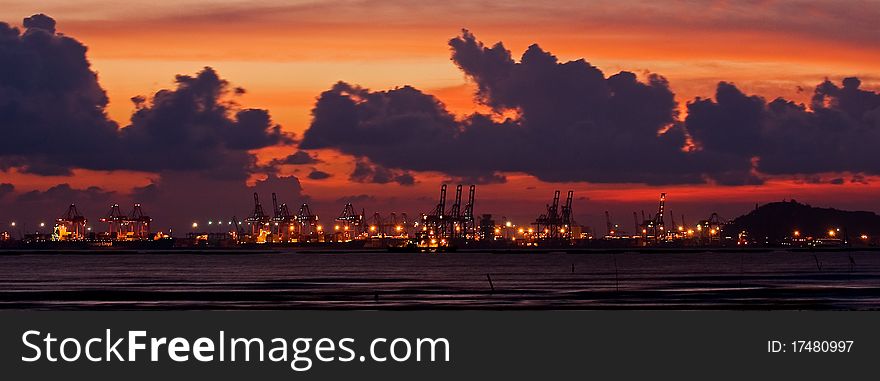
442, 226
73, 226
351, 225
652, 230
556, 224
281, 226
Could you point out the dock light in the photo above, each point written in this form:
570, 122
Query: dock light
372, 228
346, 228
797, 233
712, 231
864, 236
320, 228
398, 228
562, 231
521, 230
681, 228
508, 224
335, 227
644, 231
831, 233
690, 231
531, 230
497, 231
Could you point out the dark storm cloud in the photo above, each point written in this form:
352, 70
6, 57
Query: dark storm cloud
365, 172
318, 175
51, 106
837, 133
64, 194
574, 123
53, 119
297, 158
194, 127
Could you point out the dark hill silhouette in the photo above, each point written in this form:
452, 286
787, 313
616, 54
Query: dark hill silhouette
778, 220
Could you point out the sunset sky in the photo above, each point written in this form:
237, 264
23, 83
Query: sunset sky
285, 54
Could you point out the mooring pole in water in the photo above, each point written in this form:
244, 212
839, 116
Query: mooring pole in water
818, 265
490, 282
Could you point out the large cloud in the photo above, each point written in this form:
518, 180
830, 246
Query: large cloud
837, 133
194, 127
52, 113
53, 118
574, 123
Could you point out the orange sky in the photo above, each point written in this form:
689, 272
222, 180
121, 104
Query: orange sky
286, 52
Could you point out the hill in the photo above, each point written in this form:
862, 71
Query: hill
778, 220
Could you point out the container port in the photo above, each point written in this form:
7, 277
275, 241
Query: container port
452, 225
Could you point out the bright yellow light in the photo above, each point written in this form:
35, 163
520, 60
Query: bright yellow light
320, 228
346, 228
864, 236
681, 228
531, 230
195, 225
335, 227
690, 231
398, 228
497, 231
521, 230
831, 233
712, 231
699, 228
797, 233
562, 231
645, 231
372, 228
508, 224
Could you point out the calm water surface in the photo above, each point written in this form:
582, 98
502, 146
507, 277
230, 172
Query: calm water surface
770, 280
